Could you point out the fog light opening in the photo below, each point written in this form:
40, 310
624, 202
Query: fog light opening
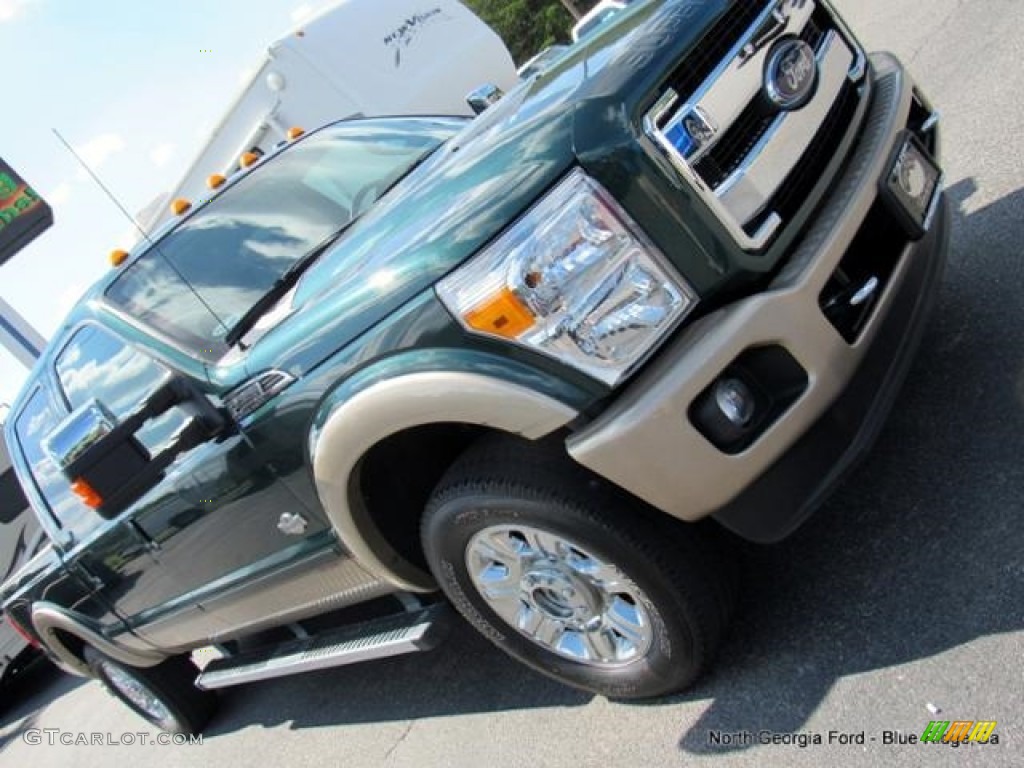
747, 397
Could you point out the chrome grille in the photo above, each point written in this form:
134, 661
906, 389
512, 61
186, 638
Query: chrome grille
735, 145
744, 155
792, 194
716, 46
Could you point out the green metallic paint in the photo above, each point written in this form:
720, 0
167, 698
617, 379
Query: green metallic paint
437, 218
488, 175
420, 336
304, 549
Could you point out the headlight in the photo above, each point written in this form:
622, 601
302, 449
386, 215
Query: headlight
575, 279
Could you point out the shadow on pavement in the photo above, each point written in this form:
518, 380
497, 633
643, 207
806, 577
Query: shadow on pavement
24, 697
466, 674
921, 550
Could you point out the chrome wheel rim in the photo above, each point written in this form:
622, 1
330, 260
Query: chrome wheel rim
136, 692
560, 596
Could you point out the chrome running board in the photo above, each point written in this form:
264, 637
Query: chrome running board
410, 632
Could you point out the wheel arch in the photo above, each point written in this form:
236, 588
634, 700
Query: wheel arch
363, 416
65, 636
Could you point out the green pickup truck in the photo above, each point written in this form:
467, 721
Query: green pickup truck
534, 366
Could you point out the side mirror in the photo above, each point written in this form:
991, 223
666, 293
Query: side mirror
97, 456
105, 463
479, 99
79, 432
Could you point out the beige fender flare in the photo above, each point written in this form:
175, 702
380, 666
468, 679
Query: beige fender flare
391, 406
47, 618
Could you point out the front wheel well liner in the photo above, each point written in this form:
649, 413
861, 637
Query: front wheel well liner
394, 501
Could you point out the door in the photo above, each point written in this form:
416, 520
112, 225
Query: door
120, 578
211, 521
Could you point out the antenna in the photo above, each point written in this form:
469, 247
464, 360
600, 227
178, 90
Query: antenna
102, 186
145, 235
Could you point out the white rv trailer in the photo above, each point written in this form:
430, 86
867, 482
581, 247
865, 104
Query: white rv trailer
357, 58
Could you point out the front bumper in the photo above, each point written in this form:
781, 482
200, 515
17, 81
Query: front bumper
646, 443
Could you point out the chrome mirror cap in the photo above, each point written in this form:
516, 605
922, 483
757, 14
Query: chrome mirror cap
479, 99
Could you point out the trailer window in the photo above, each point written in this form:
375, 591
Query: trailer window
12, 499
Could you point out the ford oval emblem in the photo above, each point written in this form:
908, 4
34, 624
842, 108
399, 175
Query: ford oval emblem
791, 74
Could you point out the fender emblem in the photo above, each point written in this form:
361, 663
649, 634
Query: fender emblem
291, 524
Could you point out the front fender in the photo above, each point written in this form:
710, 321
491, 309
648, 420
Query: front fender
417, 389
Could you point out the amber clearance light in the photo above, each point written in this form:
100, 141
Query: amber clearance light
180, 206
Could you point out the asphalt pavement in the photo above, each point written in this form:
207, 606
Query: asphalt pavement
901, 602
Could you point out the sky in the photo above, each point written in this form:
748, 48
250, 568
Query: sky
135, 86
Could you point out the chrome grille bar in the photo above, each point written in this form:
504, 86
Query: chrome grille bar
746, 192
724, 139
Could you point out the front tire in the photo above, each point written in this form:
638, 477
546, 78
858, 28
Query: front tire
573, 577
164, 695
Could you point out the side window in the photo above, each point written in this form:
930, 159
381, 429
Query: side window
33, 426
98, 366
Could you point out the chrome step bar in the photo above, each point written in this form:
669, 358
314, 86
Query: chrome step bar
419, 630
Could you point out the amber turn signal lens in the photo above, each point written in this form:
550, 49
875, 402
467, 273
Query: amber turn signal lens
87, 494
502, 314
180, 206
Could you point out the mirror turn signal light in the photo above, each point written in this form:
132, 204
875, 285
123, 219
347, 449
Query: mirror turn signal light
87, 494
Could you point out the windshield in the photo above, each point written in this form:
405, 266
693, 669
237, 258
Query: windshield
204, 275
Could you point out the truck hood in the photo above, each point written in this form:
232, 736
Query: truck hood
442, 213
477, 183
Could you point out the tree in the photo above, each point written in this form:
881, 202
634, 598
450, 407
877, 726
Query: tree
529, 26
574, 7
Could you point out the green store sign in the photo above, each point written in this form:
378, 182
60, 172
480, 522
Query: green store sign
24, 215
15, 199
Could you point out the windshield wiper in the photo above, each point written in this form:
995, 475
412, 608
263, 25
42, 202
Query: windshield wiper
281, 286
